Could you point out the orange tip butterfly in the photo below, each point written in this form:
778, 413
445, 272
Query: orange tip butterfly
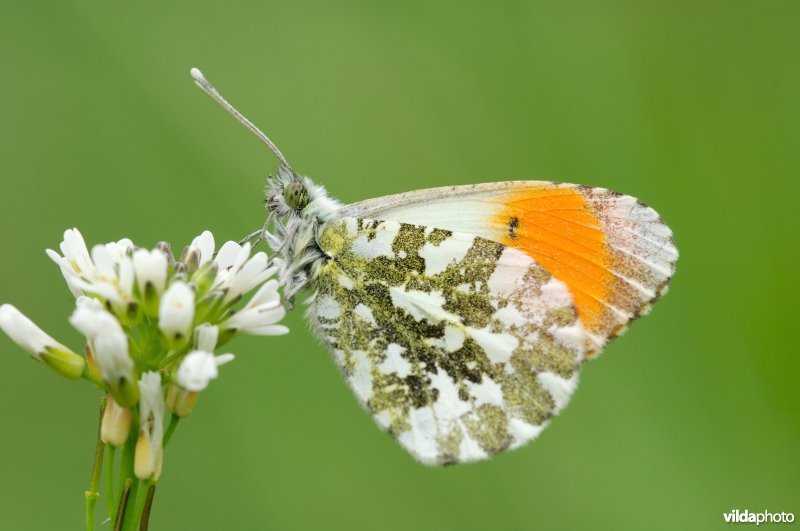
461, 316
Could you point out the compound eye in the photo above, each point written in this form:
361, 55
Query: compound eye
295, 196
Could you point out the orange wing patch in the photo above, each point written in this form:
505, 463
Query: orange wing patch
612, 251
557, 228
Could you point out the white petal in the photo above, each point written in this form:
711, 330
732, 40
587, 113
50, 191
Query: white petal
205, 246
149, 450
151, 404
273, 330
152, 399
103, 289
222, 359
242, 257
268, 316
227, 255
267, 294
150, 267
77, 255
247, 277
206, 337
104, 262
91, 319
196, 370
89, 303
70, 276
111, 353
126, 277
119, 250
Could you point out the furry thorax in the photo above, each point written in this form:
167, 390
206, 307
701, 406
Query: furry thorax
298, 210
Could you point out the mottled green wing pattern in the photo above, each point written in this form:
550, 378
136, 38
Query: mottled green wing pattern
459, 346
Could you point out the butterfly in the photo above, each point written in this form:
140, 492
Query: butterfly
461, 316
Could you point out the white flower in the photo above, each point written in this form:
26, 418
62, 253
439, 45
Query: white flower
107, 273
115, 276
109, 344
76, 265
111, 353
77, 255
150, 268
237, 275
198, 368
38, 344
149, 452
176, 311
203, 245
261, 313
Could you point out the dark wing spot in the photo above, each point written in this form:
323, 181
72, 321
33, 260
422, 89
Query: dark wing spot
513, 224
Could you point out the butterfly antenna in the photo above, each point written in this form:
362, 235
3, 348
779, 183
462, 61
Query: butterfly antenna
208, 88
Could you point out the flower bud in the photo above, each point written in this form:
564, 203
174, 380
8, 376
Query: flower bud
38, 344
166, 248
150, 269
176, 313
204, 245
64, 361
181, 401
116, 424
190, 259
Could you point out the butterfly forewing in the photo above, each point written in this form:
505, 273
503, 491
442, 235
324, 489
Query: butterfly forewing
458, 345
614, 252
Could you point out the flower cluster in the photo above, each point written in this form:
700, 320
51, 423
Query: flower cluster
152, 325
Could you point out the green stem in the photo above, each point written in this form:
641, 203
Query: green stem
126, 461
123, 502
132, 513
173, 423
164, 355
93, 494
127, 481
144, 522
141, 498
110, 497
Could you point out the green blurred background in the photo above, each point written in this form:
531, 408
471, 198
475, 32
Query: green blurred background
691, 106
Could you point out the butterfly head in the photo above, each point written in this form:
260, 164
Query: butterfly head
293, 196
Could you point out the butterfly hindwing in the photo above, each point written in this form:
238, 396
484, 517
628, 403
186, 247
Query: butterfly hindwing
458, 345
614, 252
